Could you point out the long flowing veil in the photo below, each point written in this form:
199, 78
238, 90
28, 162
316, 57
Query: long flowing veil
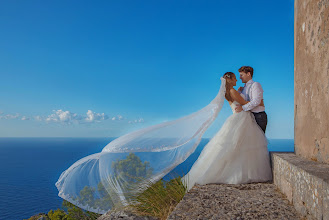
129, 164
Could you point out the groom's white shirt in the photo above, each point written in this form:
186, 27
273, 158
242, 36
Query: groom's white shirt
254, 94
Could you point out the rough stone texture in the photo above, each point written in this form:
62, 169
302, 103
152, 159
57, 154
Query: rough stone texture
242, 201
312, 79
305, 182
124, 215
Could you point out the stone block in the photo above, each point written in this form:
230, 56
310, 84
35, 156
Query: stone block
304, 182
286, 188
325, 195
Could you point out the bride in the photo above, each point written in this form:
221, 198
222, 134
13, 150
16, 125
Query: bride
131, 163
237, 153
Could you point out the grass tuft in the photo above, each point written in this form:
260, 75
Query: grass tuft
160, 199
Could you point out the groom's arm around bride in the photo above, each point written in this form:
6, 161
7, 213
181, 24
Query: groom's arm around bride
254, 94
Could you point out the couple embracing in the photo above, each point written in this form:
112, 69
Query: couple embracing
238, 151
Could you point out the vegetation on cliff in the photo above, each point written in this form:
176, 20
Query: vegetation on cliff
68, 212
158, 200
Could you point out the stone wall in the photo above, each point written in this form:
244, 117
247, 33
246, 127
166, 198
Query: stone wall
304, 182
312, 79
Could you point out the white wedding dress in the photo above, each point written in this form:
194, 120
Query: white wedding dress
236, 154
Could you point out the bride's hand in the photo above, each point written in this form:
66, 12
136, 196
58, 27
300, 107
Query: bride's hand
262, 103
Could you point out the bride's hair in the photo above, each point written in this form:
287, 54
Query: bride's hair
228, 75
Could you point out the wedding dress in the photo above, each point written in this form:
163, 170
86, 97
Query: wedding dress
236, 154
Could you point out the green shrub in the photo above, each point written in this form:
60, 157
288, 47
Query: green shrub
57, 215
160, 198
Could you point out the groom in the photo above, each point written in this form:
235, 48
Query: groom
254, 94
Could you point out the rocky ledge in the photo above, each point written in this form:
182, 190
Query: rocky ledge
124, 215
242, 201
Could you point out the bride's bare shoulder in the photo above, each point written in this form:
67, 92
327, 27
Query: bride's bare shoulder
233, 92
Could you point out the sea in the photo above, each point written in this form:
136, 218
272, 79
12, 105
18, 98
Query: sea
30, 167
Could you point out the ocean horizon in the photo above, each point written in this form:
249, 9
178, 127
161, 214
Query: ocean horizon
31, 166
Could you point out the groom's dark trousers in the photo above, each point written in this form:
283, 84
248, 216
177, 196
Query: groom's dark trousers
261, 119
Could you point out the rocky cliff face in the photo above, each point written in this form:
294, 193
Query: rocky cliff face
312, 79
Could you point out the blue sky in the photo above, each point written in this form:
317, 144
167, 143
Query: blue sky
105, 68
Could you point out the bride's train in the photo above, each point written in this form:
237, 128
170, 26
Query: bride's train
131, 163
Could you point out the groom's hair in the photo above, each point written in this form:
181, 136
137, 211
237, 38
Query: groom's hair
247, 69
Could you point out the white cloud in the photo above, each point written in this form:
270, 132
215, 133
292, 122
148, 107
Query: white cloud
62, 116
24, 118
9, 116
67, 117
37, 118
140, 120
118, 117
93, 116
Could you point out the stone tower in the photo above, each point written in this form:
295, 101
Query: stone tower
312, 79
303, 176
